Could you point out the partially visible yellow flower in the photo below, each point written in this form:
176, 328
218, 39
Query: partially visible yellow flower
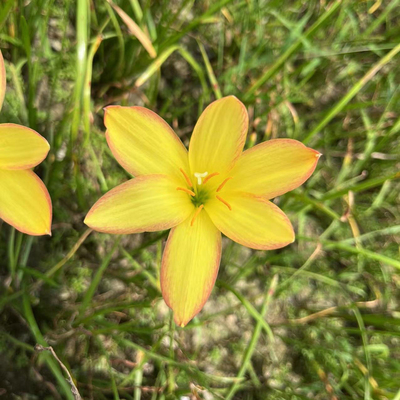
213, 188
24, 200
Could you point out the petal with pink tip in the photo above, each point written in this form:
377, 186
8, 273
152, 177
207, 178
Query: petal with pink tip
273, 168
251, 221
219, 136
190, 266
25, 202
143, 143
144, 204
21, 147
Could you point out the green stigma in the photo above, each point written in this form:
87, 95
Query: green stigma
201, 197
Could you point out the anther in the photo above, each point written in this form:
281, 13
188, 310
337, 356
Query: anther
188, 191
223, 183
224, 202
189, 182
196, 214
210, 176
200, 176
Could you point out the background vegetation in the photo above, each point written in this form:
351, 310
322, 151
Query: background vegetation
318, 319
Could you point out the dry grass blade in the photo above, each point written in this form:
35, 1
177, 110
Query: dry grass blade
333, 310
135, 30
74, 389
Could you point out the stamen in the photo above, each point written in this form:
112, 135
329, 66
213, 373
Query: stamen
189, 182
200, 176
196, 214
188, 191
225, 202
223, 183
210, 176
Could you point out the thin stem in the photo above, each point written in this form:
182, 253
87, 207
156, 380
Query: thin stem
11, 253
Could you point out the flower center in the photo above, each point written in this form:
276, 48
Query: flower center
200, 194
200, 197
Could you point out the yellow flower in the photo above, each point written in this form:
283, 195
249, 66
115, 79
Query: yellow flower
213, 188
24, 200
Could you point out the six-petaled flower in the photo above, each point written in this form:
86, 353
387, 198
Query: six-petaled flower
212, 188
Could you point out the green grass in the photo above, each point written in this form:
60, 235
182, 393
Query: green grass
318, 319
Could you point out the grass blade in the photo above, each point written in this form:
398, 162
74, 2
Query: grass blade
291, 50
352, 92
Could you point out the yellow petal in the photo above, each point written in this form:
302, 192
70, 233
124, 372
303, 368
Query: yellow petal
25, 202
21, 147
273, 168
143, 143
253, 222
143, 204
219, 136
2, 80
190, 266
